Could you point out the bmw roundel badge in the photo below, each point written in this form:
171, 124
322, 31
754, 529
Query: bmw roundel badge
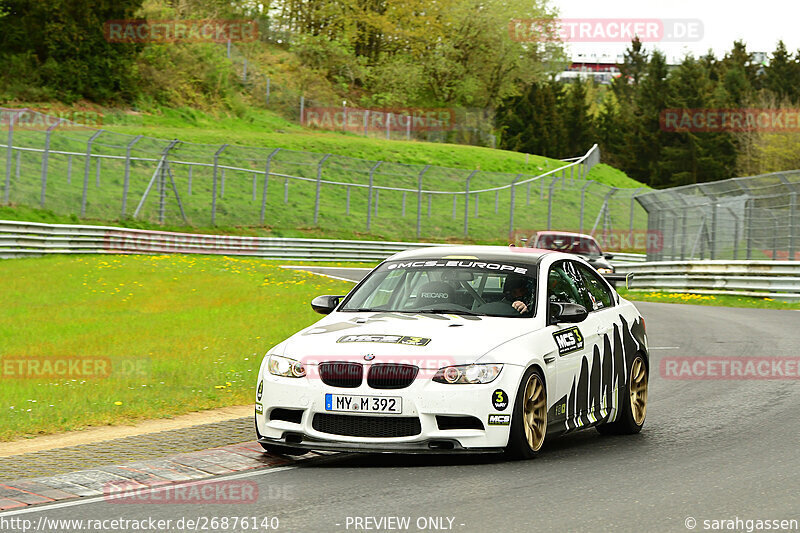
369, 357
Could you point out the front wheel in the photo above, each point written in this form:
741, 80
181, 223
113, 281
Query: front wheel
634, 406
277, 449
529, 420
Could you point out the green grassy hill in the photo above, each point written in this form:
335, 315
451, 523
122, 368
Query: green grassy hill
252, 134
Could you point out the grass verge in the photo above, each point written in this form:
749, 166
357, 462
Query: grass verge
719, 300
181, 334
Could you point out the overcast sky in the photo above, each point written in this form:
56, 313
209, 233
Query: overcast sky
760, 24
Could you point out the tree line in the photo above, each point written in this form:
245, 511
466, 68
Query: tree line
626, 117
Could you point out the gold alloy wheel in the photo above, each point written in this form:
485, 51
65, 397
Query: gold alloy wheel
534, 412
638, 391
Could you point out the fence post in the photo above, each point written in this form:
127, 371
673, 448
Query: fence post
126, 179
713, 243
748, 209
792, 224
69, 170
10, 154
419, 199
366, 121
388, 120
583, 204
550, 202
633, 199
266, 184
496, 201
214, 186
302, 107
466, 203
255, 186
408, 127
19, 164
511, 210
45, 157
286, 191
319, 186
191, 167
86, 168
344, 115
229, 49
222, 184
369, 195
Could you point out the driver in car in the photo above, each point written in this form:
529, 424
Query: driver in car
516, 292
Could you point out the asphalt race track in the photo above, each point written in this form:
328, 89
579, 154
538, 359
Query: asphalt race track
710, 449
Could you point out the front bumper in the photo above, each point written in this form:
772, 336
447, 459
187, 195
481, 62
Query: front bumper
424, 400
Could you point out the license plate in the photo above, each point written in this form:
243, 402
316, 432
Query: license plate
363, 404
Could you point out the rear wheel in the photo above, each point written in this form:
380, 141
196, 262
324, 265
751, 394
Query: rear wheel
634, 406
529, 420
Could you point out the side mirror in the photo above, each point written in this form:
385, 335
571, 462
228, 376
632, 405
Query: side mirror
325, 304
567, 312
608, 256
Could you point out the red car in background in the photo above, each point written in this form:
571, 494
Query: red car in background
574, 243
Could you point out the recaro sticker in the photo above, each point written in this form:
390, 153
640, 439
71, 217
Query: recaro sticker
568, 340
500, 400
499, 420
386, 339
259, 408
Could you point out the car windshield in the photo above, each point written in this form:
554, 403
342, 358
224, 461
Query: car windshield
571, 244
452, 286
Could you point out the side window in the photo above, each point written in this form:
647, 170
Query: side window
597, 291
562, 286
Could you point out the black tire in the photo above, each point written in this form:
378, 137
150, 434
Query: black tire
277, 449
626, 424
518, 446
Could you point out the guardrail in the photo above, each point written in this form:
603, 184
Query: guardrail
23, 239
622, 258
767, 279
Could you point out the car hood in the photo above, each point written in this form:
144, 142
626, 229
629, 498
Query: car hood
402, 337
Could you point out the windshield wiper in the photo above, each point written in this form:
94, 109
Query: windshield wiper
447, 312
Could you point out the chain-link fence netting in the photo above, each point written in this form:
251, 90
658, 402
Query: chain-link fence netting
740, 218
97, 174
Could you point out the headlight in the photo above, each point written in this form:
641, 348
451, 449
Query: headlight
283, 366
464, 374
605, 270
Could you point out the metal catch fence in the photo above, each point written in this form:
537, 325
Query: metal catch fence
740, 218
73, 169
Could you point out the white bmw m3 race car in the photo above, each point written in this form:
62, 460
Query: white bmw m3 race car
458, 349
